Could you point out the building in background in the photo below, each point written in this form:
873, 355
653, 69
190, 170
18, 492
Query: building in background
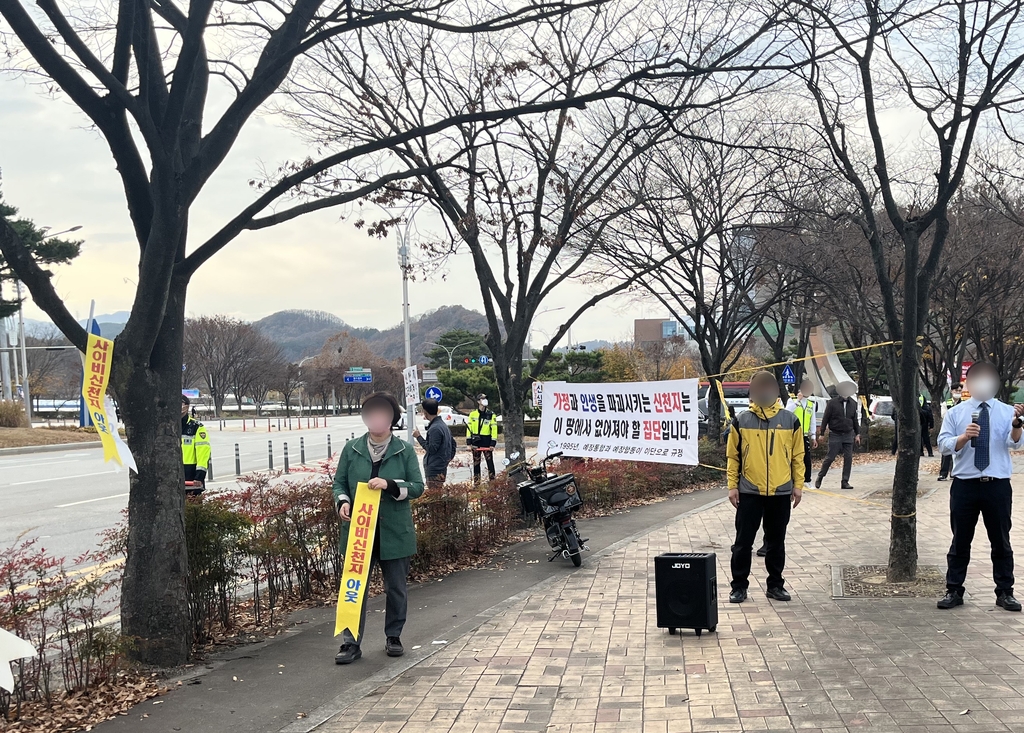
647, 331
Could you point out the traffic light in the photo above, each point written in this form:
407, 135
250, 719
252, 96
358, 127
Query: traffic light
467, 361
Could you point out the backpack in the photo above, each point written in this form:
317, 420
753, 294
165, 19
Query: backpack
453, 447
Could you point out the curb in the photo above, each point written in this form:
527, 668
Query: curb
53, 448
326, 712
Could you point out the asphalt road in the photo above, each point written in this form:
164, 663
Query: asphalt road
67, 498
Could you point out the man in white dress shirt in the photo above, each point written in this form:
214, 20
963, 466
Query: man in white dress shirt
979, 433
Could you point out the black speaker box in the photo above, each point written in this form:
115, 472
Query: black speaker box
686, 589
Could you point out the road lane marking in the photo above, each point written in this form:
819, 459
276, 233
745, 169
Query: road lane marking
89, 501
62, 478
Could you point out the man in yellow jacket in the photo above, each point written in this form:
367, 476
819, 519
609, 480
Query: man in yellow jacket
482, 436
766, 472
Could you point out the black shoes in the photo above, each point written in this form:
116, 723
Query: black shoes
393, 646
817, 482
943, 478
778, 594
348, 654
762, 551
738, 596
847, 488
952, 599
1008, 602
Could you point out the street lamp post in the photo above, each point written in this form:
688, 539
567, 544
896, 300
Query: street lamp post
24, 358
403, 263
451, 351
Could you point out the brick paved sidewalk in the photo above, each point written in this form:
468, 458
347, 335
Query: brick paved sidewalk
583, 655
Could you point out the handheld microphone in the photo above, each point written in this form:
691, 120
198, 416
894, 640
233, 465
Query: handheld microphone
974, 419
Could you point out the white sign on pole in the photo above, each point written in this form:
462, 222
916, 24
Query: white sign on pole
626, 421
538, 394
412, 385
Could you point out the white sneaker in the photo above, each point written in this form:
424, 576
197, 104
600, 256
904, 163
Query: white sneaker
808, 485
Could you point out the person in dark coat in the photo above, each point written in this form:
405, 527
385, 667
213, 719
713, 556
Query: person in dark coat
439, 445
927, 423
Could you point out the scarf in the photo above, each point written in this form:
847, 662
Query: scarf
377, 450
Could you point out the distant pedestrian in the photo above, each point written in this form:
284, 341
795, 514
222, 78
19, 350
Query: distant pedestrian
482, 436
979, 434
439, 445
927, 419
388, 464
765, 476
946, 465
841, 422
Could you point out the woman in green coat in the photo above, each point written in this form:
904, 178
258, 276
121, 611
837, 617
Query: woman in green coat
387, 464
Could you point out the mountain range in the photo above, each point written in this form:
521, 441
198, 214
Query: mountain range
302, 333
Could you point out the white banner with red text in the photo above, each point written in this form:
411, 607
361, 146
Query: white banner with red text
625, 421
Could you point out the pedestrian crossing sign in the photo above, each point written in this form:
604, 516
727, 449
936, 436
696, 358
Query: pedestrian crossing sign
788, 377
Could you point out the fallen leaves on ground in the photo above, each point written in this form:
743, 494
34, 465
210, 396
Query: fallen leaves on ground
79, 711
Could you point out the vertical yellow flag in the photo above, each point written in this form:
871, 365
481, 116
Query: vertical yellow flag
99, 354
356, 576
721, 395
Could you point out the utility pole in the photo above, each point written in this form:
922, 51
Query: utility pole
24, 357
403, 262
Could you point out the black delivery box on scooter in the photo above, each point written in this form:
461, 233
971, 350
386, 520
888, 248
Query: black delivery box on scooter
686, 589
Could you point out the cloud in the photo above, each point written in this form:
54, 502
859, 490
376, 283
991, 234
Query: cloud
59, 172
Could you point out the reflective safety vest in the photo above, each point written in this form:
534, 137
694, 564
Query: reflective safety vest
482, 429
805, 413
195, 447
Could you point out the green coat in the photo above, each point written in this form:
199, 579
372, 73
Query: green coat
397, 533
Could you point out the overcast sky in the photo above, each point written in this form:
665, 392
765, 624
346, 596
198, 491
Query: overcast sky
60, 174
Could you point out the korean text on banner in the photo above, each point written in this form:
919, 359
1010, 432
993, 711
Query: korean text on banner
356, 576
99, 354
626, 421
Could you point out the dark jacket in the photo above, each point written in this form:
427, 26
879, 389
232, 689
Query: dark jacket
840, 416
401, 470
438, 445
926, 416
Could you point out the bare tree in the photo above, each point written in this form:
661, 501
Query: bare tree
531, 198
956, 64
214, 347
286, 380
692, 237
170, 91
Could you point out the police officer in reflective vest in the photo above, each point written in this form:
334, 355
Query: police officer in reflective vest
482, 436
195, 450
804, 409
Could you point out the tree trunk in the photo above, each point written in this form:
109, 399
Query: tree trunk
903, 524
154, 600
513, 417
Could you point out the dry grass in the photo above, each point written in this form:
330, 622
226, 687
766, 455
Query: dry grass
23, 437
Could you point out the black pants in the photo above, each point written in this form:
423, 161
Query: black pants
807, 459
488, 455
993, 500
945, 466
396, 601
926, 441
839, 443
754, 508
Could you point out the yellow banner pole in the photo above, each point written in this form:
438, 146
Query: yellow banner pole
356, 576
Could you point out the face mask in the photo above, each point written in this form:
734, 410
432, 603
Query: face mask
483, 403
983, 388
846, 393
377, 422
766, 399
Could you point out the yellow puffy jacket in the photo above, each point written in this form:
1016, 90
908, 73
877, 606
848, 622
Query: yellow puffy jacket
766, 451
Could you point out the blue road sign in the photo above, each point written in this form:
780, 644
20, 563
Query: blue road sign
788, 377
434, 393
485, 359
358, 378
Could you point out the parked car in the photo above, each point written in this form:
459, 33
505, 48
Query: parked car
881, 410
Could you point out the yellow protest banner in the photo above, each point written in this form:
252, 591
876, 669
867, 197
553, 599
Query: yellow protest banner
99, 354
361, 535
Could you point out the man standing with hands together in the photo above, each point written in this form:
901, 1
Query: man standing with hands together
979, 434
